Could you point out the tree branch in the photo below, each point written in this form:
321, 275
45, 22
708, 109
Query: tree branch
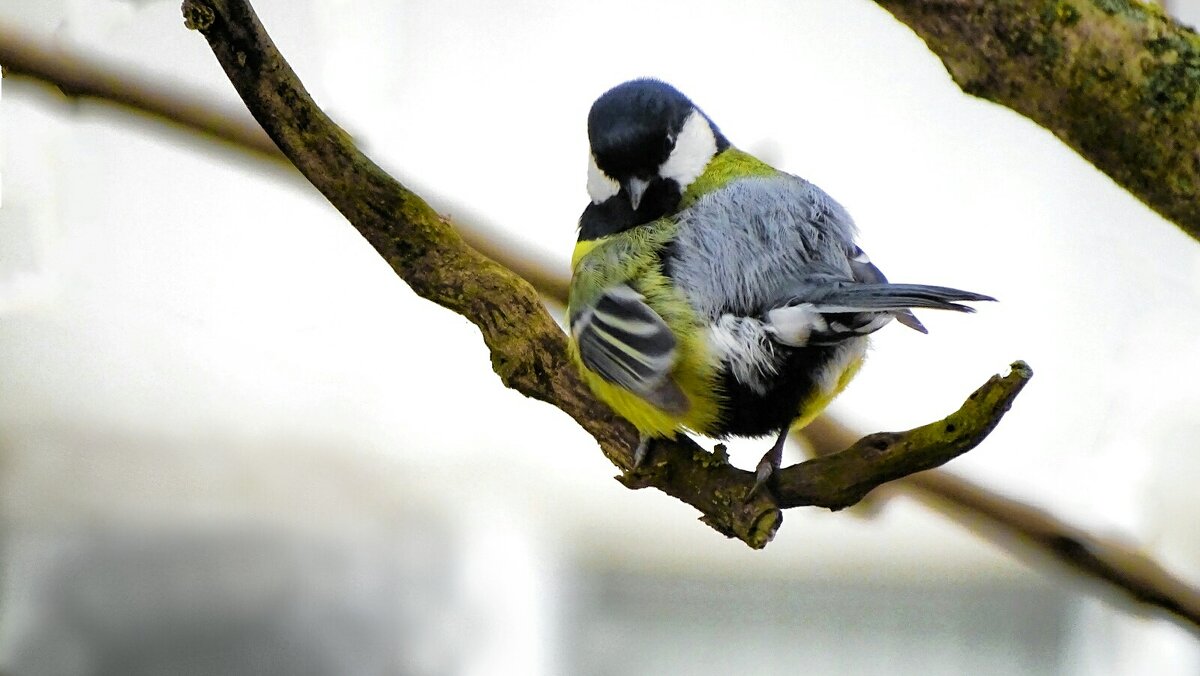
1033, 535
1117, 80
77, 77
1027, 532
847, 476
836, 480
528, 349
1040, 536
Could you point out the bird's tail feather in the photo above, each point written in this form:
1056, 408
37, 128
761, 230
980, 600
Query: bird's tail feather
829, 313
895, 297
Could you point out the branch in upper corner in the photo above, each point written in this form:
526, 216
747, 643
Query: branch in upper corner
1117, 80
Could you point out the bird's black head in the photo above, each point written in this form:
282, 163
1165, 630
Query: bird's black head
646, 131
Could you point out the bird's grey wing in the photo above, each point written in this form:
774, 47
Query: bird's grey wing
828, 306
738, 249
780, 250
627, 343
825, 307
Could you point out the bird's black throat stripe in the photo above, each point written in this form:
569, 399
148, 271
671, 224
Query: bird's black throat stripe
616, 214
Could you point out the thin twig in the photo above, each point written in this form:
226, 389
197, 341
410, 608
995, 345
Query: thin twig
1031, 534
843, 478
79, 77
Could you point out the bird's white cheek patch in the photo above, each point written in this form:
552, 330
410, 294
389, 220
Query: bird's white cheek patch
599, 185
694, 147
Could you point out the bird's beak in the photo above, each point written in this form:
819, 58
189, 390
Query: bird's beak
636, 187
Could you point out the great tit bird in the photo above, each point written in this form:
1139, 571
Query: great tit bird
711, 292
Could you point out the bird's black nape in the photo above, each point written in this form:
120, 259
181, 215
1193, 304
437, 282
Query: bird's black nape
632, 127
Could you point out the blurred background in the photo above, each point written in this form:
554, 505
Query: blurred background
233, 442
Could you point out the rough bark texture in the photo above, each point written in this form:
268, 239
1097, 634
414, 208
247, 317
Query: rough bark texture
1117, 80
885, 456
528, 349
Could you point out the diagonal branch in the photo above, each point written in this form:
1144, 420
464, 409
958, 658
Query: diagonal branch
1121, 565
527, 347
77, 77
1034, 535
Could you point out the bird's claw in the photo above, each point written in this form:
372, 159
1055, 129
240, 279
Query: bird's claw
768, 467
762, 476
642, 450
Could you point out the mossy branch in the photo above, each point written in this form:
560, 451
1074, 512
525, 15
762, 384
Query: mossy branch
836, 480
846, 477
1029, 533
528, 349
1117, 80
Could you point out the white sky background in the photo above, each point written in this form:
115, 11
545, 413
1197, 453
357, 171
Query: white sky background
151, 290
